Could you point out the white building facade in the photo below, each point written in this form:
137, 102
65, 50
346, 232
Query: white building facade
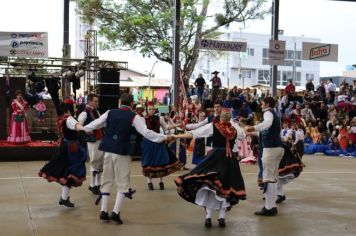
252, 68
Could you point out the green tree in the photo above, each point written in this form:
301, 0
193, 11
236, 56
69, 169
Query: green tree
146, 25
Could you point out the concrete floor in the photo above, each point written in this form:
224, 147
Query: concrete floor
322, 201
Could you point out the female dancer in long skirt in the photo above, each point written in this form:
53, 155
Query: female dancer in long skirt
67, 167
216, 183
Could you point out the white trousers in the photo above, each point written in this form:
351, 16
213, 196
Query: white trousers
96, 156
116, 169
271, 157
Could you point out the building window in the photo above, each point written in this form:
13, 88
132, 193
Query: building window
247, 74
288, 60
250, 52
288, 75
309, 77
263, 77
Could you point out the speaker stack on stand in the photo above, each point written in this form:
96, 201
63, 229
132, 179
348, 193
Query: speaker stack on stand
108, 88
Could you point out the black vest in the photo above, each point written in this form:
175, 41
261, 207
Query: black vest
91, 116
119, 133
272, 137
68, 133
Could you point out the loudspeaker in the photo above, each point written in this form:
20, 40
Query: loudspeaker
108, 88
108, 75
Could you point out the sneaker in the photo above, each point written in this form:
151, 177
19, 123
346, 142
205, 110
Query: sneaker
221, 223
281, 198
150, 186
66, 203
265, 212
116, 217
161, 185
104, 216
208, 223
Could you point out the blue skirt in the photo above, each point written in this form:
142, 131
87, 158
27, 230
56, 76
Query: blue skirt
182, 150
199, 151
157, 160
67, 166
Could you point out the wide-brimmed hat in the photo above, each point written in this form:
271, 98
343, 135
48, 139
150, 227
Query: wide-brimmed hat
215, 73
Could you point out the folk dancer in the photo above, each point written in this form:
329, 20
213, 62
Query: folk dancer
216, 183
93, 140
118, 145
67, 167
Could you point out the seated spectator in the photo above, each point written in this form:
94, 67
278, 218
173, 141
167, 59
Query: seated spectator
227, 102
208, 103
333, 149
350, 150
309, 86
290, 88
307, 113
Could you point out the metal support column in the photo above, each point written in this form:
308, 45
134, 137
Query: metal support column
175, 61
275, 23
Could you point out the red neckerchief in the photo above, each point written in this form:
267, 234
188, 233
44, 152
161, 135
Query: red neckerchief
229, 132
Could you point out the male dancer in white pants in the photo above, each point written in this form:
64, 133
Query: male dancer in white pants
273, 151
93, 140
118, 145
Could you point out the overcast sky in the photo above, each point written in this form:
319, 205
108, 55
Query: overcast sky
331, 21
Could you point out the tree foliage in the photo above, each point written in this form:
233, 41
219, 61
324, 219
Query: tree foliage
147, 25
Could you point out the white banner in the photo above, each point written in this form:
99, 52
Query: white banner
320, 51
223, 45
24, 44
276, 52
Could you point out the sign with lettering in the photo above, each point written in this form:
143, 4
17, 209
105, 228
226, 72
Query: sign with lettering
320, 51
24, 44
276, 52
223, 45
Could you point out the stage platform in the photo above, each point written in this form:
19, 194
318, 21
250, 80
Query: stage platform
33, 151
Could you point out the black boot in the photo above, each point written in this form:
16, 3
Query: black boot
221, 223
66, 203
104, 216
150, 186
96, 190
161, 185
265, 212
281, 198
92, 189
116, 217
208, 223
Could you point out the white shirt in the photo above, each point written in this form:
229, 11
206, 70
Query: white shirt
299, 135
83, 116
342, 98
207, 131
71, 122
267, 122
331, 87
197, 125
138, 122
307, 114
286, 134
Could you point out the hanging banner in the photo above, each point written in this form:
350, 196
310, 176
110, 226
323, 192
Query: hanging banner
24, 44
276, 52
223, 45
320, 51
